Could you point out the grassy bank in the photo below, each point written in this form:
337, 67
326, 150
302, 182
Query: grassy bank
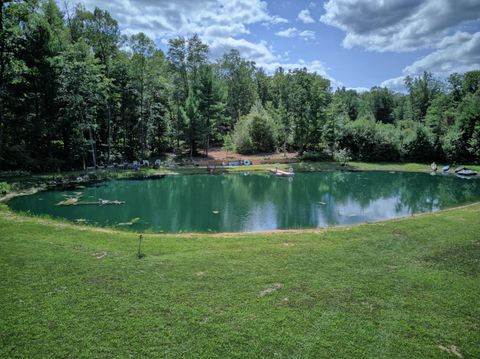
403, 288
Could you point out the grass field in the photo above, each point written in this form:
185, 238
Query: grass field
406, 288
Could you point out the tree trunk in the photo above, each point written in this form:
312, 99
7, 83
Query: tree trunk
2, 77
178, 128
109, 127
142, 139
207, 145
92, 145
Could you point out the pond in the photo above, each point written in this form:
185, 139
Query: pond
257, 202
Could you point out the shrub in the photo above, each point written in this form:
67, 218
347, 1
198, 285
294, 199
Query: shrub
453, 146
4, 187
342, 156
255, 132
371, 141
316, 156
419, 144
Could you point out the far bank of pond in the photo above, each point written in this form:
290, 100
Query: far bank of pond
256, 202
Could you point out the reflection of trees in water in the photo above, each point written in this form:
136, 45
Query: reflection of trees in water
265, 201
313, 199
422, 192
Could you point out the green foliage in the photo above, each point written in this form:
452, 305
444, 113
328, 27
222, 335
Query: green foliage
238, 75
471, 82
453, 146
211, 107
4, 187
422, 90
74, 92
319, 156
190, 116
342, 156
81, 91
474, 143
419, 144
381, 102
255, 132
228, 144
371, 141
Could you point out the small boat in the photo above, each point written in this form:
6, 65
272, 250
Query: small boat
458, 169
446, 168
466, 172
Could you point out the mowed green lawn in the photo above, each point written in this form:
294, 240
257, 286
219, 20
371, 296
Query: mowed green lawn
400, 289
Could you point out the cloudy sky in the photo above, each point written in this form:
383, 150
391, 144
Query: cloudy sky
355, 43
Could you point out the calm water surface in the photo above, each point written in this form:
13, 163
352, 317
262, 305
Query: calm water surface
237, 203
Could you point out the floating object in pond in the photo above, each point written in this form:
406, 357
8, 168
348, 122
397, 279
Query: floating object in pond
281, 173
321, 203
458, 169
446, 168
131, 223
434, 167
103, 202
466, 172
81, 220
215, 212
74, 201
70, 201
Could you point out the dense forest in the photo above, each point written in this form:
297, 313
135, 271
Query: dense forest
75, 92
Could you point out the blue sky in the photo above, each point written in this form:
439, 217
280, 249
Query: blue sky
355, 43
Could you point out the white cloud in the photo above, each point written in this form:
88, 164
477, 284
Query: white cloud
397, 25
278, 20
166, 18
219, 23
294, 32
395, 84
358, 89
258, 52
457, 53
307, 34
290, 32
305, 17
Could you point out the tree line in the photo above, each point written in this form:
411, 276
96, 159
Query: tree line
75, 92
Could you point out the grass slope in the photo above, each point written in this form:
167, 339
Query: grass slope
398, 289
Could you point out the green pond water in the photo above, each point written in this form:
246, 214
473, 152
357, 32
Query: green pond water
257, 202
